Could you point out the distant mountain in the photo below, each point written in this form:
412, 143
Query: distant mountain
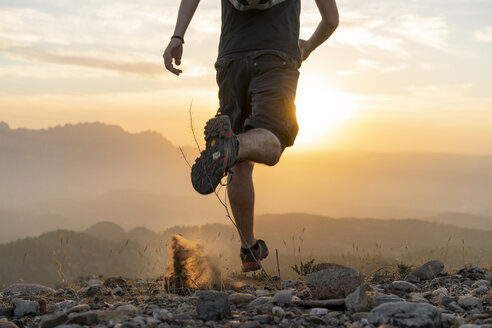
107, 231
367, 244
73, 176
86, 159
464, 220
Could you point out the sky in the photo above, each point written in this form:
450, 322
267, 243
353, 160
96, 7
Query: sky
396, 76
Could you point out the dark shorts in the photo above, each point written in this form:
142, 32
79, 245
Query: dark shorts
258, 90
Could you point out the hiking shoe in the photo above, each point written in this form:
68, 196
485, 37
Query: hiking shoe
219, 156
250, 263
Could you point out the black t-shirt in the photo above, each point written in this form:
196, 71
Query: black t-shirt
249, 25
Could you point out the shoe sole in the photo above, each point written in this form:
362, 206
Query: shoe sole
207, 172
254, 266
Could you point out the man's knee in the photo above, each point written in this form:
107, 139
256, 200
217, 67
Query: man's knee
274, 156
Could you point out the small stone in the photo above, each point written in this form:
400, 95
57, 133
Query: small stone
318, 311
449, 320
288, 284
260, 293
113, 282
283, 297
358, 316
278, 311
482, 290
23, 308
163, 315
406, 315
305, 294
455, 307
481, 282
62, 306
383, 298
117, 291
93, 283
260, 301
241, 298
335, 281
212, 305
470, 325
418, 298
250, 324
127, 307
469, 302
53, 320
362, 299
79, 308
403, 286
86, 318
440, 291
26, 289
7, 311
8, 324
93, 290
429, 270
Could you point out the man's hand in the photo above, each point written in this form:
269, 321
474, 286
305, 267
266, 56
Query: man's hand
173, 51
305, 49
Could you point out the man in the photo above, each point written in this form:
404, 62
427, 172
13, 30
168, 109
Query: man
257, 71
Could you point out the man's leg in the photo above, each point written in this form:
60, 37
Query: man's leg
256, 145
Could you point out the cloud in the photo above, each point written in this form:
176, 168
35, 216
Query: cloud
483, 35
122, 63
429, 31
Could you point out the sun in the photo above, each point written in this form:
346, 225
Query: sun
321, 111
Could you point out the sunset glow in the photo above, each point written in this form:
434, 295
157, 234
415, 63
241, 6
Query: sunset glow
321, 112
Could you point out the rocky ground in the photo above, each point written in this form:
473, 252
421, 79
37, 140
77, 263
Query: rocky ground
334, 296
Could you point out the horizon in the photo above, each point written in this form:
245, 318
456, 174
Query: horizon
300, 152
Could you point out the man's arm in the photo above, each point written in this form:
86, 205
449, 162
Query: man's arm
328, 25
175, 48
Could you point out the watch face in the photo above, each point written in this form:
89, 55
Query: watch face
244, 5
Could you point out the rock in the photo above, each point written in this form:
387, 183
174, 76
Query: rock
7, 311
470, 325
23, 308
383, 298
127, 307
250, 324
418, 298
482, 290
8, 324
94, 282
336, 282
331, 303
469, 302
318, 311
260, 301
450, 320
406, 315
428, 271
163, 315
241, 298
305, 294
260, 293
93, 290
288, 284
86, 318
28, 289
480, 283
53, 320
113, 282
440, 291
79, 308
358, 316
278, 311
117, 291
283, 297
212, 305
455, 307
403, 286
362, 299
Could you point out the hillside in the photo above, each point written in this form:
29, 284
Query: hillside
366, 244
73, 176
